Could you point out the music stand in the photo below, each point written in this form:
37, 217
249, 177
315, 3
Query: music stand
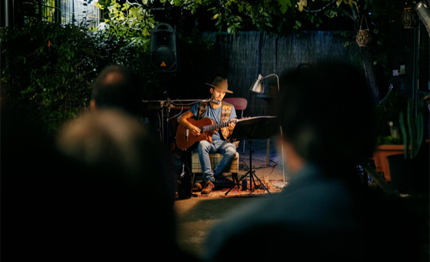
260, 127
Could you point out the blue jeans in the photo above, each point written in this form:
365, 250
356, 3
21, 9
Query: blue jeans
217, 146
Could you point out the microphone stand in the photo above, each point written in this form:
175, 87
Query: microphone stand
167, 105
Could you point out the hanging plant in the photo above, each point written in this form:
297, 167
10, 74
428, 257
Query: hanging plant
363, 37
409, 17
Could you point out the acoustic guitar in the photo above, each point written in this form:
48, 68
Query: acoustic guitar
185, 139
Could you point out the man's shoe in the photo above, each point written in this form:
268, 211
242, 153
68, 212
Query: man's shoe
197, 187
207, 187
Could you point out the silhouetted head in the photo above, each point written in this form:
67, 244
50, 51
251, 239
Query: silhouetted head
325, 111
114, 148
117, 87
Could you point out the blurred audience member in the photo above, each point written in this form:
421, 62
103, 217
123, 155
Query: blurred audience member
103, 191
325, 213
117, 87
126, 186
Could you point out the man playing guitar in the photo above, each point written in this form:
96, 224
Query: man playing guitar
217, 141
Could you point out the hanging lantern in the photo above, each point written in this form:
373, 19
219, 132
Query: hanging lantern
409, 18
363, 37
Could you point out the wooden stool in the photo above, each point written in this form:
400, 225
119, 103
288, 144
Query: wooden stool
215, 159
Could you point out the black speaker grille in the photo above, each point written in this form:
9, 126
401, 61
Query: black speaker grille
163, 59
163, 49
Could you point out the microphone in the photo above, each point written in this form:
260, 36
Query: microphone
211, 100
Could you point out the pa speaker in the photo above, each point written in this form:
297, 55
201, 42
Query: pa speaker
163, 49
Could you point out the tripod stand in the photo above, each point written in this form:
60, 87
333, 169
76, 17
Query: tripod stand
251, 174
261, 127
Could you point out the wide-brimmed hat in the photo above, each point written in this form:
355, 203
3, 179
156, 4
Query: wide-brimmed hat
220, 84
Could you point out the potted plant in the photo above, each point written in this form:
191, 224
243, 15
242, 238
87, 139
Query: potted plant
410, 169
389, 139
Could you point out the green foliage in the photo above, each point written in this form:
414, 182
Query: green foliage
412, 127
388, 111
385, 17
284, 5
276, 16
129, 20
48, 69
389, 140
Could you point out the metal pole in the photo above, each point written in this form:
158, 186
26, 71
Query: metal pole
6, 13
415, 79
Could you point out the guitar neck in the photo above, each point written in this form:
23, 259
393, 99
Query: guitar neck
216, 126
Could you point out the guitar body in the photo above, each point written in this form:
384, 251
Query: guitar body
183, 142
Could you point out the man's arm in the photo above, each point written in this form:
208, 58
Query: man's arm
232, 125
233, 116
183, 120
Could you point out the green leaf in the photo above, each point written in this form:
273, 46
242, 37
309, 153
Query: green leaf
284, 5
125, 6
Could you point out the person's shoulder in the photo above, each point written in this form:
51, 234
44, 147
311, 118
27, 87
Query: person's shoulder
224, 103
195, 106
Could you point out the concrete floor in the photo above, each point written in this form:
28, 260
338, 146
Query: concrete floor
196, 216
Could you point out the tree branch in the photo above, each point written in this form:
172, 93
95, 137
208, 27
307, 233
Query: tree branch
351, 12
